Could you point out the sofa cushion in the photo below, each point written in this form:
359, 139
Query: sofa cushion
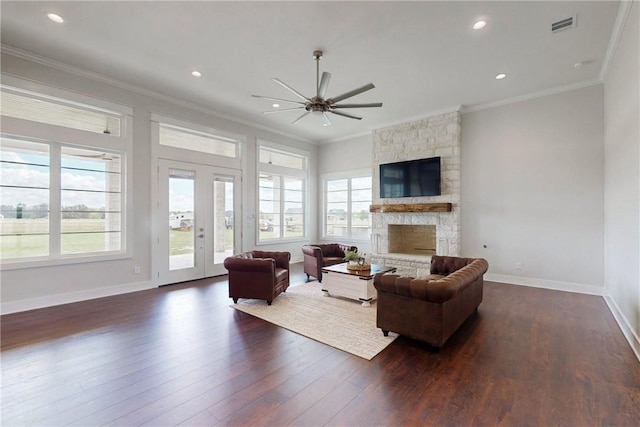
281, 274
332, 260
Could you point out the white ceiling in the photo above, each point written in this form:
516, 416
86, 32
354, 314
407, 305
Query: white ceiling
423, 57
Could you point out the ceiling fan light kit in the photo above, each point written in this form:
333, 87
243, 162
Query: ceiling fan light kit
319, 105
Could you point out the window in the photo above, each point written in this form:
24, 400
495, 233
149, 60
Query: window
347, 202
90, 201
281, 194
187, 139
63, 198
27, 105
24, 211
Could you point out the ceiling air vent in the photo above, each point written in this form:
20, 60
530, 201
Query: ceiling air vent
564, 24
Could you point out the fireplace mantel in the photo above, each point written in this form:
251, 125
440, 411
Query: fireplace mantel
411, 207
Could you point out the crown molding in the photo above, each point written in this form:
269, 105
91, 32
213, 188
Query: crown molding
422, 116
530, 96
81, 72
621, 20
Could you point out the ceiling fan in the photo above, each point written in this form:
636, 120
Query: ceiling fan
318, 104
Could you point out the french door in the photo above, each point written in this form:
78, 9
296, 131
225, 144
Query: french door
198, 221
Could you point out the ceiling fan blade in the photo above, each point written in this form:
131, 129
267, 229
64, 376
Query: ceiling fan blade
325, 119
350, 93
277, 99
299, 118
292, 90
340, 113
282, 110
373, 104
324, 84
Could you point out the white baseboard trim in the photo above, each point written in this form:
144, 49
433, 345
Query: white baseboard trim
51, 300
625, 326
545, 284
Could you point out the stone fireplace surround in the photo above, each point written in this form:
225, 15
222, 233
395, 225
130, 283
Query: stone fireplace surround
430, 137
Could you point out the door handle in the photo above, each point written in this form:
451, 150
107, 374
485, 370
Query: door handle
201, 235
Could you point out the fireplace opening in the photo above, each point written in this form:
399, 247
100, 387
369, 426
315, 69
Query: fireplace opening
412, 239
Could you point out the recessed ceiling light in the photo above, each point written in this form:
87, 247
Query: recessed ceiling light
55, 18
479, 25
275, 105
196, 73
501, 76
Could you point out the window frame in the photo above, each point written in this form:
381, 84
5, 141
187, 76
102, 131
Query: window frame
349, 176
60, 136
283, 173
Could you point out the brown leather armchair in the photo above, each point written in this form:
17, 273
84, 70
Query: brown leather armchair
431, 309
322, 255
258, 275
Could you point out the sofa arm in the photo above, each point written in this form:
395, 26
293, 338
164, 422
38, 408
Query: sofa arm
257, 265
312, 251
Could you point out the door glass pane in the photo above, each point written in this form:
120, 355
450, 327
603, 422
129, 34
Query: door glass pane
223, 218
181, 219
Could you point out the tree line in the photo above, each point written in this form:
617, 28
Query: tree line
22, 211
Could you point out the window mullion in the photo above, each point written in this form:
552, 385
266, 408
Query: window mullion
55, 209
282, 205
349, 206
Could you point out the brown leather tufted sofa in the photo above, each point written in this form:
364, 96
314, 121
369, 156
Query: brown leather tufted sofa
322, 255
258, 274
431, 309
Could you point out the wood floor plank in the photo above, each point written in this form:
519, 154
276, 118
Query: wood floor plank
179, 355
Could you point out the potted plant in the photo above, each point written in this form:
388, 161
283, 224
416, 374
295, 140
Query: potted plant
351, 256
354, 261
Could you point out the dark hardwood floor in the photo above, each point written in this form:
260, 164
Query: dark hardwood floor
178, 355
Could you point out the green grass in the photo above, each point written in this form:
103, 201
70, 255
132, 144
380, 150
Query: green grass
19, 240
180, 242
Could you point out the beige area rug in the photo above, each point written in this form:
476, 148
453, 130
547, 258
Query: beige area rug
335, 321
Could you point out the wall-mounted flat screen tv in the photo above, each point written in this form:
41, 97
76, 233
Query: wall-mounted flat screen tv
413, 178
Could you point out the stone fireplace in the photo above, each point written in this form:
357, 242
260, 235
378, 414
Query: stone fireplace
394, 219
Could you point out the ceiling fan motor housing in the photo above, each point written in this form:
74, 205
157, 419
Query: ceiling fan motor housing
318, 104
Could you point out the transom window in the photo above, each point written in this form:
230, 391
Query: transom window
188, 139
26, 105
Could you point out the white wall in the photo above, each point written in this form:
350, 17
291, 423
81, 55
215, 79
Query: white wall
38, 287
622, 181
345, 155
532, 190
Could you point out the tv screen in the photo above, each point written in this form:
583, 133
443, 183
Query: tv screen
413, 178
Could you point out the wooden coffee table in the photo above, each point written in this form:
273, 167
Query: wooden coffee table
354, 284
